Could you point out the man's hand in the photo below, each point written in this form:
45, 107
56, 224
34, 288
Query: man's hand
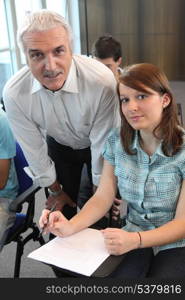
116, 209
61, 200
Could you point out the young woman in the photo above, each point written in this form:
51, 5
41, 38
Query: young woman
146, 157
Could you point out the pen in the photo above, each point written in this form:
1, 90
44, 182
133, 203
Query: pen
51, 210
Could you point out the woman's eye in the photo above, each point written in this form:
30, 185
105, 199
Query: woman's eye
124, 99
141, 96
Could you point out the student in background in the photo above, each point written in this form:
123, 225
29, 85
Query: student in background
8, 177
108, 51
145, 157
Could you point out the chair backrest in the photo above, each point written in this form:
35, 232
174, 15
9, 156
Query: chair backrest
20, 162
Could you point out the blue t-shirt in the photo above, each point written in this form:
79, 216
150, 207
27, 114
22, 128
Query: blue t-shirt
150, 185
8, 151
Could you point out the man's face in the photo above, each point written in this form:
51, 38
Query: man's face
49, 56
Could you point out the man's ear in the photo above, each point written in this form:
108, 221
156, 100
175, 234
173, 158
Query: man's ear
166, 100
119, 61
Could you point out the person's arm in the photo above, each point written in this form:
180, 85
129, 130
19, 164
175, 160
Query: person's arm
103, 123
32, 142
100, 203
4, 172
57, 197
31, 139
119, 241
7, 149
93, 210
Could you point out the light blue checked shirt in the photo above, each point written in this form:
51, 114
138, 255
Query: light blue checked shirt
150, 185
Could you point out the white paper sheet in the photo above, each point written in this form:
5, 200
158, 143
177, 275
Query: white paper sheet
82, 252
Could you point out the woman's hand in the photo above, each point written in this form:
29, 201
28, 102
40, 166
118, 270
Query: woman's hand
119, 241
55, 223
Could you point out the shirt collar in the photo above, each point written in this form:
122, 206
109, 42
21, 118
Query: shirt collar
136, 145
70, 85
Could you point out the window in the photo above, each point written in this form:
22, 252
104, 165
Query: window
70, 11
21, 9
5, 57
58, 6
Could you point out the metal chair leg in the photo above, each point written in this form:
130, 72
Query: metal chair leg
19, 253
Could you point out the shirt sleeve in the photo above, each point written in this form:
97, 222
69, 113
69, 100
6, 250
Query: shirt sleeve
27, 133
109, 148
106, 119
7, 141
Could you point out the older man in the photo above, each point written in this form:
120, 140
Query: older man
70, 99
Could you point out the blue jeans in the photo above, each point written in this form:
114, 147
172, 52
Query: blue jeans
7, 219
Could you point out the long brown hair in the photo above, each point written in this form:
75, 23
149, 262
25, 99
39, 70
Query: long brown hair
141, 77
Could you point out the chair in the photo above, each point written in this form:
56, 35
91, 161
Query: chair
23, 221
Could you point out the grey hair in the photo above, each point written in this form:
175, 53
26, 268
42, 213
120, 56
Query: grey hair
40, 21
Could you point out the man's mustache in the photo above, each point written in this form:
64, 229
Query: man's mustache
52, 74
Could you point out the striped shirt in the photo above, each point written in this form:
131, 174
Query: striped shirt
149, 184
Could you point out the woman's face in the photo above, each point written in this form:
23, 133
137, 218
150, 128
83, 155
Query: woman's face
142, 110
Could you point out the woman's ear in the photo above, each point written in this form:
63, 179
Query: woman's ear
166, 100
